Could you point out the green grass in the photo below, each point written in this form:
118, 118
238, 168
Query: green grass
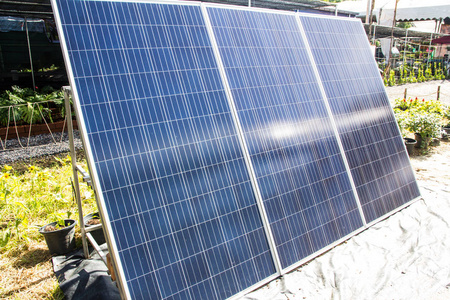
32, 194
35, 194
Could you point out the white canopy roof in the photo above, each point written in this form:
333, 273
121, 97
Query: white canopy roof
407, 10
415, 10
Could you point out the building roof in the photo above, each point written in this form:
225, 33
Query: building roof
278, 4
386, 31
40, 9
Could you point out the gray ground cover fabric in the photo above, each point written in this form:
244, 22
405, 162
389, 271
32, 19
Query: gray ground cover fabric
406, 256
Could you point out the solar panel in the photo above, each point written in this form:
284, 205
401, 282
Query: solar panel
174, 186
302, 178
222, 148
366, 124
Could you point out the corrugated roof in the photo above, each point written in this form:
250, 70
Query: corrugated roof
42, 8
277, 4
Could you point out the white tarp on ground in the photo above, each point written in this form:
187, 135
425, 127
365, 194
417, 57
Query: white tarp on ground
406, 256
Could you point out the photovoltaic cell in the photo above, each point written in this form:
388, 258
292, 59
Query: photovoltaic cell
366, 124
170, 169
297, 162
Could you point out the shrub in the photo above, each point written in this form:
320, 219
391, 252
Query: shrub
446, 115
25, 106
421, 116
430, 106
424, 123
412, 76
391, 80
402, 118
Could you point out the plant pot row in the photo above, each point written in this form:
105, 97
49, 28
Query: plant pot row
421, 142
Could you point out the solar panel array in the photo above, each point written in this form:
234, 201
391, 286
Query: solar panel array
223, 150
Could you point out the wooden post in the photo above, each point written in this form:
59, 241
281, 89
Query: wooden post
367, 12
439, 92
404, 94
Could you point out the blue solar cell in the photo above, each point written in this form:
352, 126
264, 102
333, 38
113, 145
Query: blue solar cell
289, 135
169, 163
368, 130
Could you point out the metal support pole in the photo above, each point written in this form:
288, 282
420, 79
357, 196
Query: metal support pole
67, 92
439, 92
29, 53
404, 49
429, 50
374, 33
390, 60
405, 93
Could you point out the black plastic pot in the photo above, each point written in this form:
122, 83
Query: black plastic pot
447, 130
97, 234
421, 141
435, 142
60, 241
410, 143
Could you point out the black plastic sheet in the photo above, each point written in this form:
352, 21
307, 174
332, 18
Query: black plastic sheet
85, 279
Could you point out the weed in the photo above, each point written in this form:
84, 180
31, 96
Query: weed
38, 196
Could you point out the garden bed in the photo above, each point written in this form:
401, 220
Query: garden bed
34, 129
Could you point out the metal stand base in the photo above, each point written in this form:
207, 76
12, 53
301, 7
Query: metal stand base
85, 232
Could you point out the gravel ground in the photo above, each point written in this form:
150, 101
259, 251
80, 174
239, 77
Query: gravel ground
38, 146
43, 145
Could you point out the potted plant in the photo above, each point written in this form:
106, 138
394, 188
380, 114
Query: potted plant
91, 220
446, 128
402, 118
410, 144
446, 114
425, 127
59, 235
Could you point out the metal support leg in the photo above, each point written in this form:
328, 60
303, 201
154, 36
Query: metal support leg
67, 92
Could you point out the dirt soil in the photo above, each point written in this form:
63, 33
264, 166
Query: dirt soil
433, 166
425, 90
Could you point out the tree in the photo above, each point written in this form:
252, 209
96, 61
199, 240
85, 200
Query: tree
405, 25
